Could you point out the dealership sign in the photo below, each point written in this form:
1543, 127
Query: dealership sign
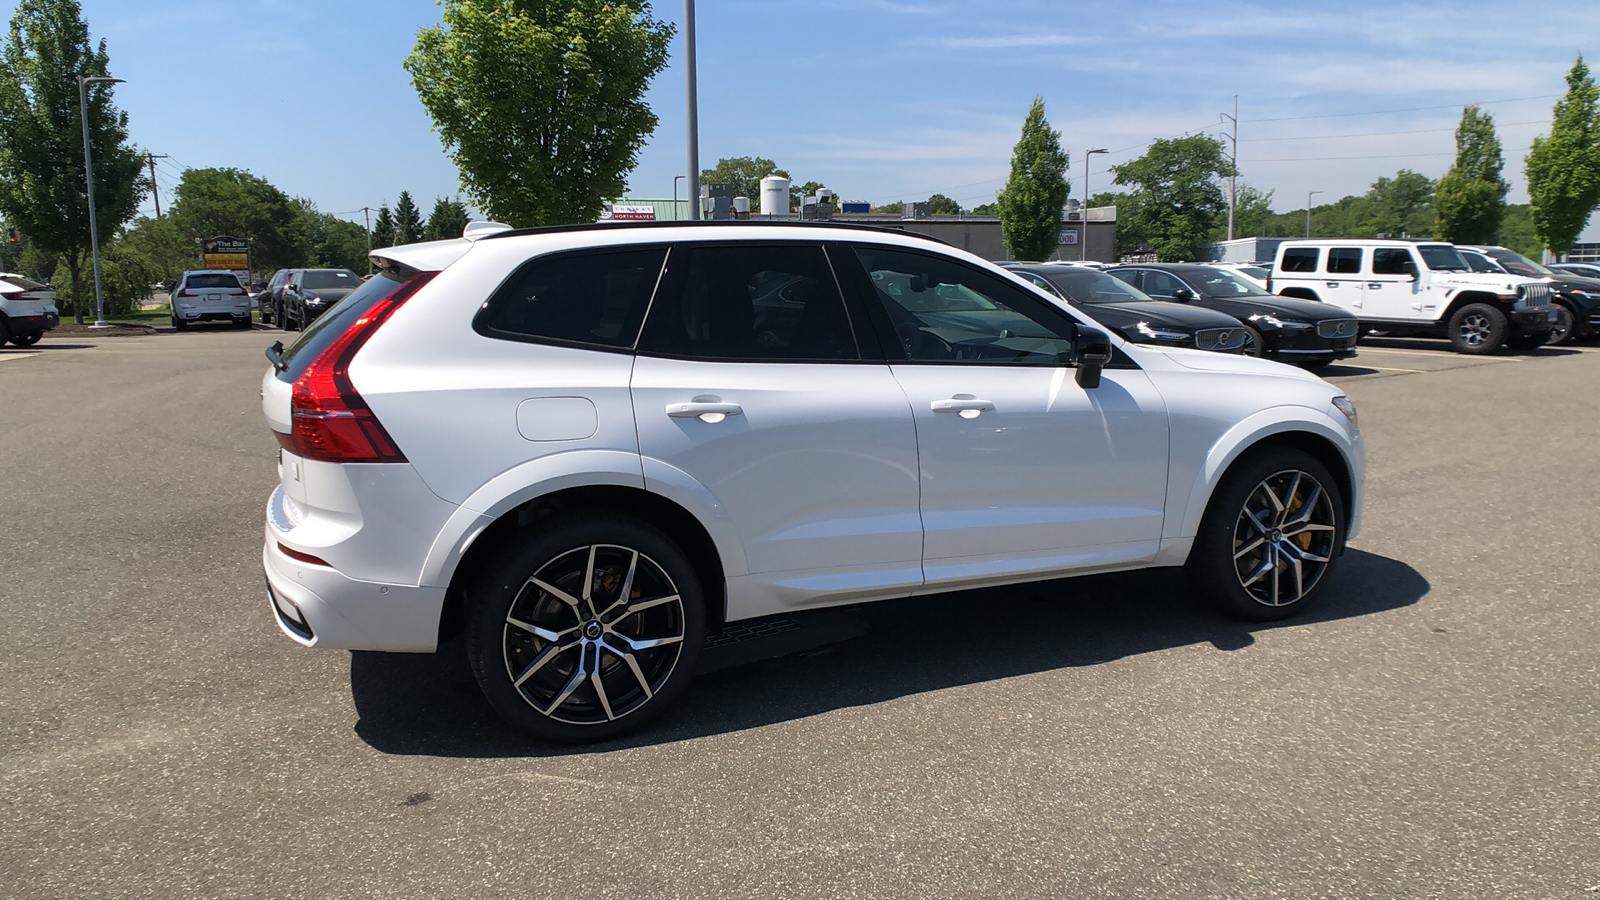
1069, 236
622, 213
225, 253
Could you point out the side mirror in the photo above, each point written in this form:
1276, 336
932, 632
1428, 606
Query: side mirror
1182, 295
1094, 353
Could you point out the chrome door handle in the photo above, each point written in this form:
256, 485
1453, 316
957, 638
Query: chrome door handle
1374, 285
705, 411
965, 407
1331, 283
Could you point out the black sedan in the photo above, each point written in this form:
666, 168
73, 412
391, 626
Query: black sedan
311, 292
1577, 297
1119, 306
1304, 332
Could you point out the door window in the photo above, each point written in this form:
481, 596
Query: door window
1344, 261
1393, 261
1161, 284
762, 302
1300, 259
583, 298
945, 312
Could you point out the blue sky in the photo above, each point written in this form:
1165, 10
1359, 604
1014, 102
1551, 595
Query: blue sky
881, 100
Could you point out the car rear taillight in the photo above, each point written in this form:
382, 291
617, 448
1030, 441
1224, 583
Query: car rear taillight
331, 421
184, 292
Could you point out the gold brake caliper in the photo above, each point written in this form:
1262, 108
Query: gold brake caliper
1304, 537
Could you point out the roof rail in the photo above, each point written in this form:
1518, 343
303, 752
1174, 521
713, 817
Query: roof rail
715, 223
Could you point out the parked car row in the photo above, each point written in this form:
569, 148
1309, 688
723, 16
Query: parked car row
295, 297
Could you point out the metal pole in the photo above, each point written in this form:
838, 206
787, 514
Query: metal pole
367, 211
1083, 245
155, 189
1309, 195
675, 180
88, 168
694, 112
1233, 185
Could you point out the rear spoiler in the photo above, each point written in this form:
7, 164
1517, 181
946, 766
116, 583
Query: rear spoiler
433, 256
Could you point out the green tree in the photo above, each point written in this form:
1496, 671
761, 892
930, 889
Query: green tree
893, 209
986, 209
383, 228
1564, 168
233, 202
448, 220
549, 143
1030, 204
940, 205
1516, 231
743, 175
1176, 197
798, 194
1252, 213
1402, 205
1470, 199
168, 248
407, 220
42, 184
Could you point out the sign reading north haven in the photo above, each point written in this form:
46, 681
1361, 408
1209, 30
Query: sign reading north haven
225, 253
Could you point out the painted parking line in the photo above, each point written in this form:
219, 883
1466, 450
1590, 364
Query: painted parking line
15, 355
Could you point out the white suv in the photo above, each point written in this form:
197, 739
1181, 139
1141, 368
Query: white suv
210, 295
27, 310
591, 446
1418, 288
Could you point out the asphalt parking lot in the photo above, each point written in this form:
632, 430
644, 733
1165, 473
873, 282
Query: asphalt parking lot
1432, 731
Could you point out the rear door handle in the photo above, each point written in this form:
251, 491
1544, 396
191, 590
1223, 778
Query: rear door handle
967, 407
704, 411
1374, 285
1331, 283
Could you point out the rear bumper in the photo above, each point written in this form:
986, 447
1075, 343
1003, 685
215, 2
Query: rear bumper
339, 612
30, 324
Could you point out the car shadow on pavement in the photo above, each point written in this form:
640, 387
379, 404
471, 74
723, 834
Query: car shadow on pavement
45, 345
833, 659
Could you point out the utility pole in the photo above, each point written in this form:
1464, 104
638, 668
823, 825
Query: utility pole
1233, 191
155, 189
1309, 195
694, 111
367, 210
88, 171
1083, 215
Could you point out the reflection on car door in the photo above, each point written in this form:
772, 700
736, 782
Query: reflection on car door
749, 382
1022, 470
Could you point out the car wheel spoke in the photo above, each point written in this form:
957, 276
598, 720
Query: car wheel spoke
627, 586
545, 655
539, 632
1247, 548
554, 591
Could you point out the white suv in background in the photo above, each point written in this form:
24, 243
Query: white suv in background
27, 310
590, 446
1417, 288
208, 296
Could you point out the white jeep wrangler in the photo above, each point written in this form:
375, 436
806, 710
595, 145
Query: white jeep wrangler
1412, 288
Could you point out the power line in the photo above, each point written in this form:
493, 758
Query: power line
1381, 156
1380, 112
1324, 137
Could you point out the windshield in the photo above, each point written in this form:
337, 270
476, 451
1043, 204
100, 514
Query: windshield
1442, 259
1254, 272
1517, 264
1095, 287
1223, 283
343, 278
1481, 263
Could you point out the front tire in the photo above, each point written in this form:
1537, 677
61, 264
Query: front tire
586, 628
1271, 536
1252, 343
1477, 328
1562, 333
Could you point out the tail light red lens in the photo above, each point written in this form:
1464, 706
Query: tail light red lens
183, 292
331, 421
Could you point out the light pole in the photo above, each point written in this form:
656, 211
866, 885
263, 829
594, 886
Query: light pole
1083, 245
675, 180
88, 168
1232, 179
694, 112
1309, 195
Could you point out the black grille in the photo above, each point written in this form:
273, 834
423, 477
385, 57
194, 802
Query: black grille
1337, 328
1219, 338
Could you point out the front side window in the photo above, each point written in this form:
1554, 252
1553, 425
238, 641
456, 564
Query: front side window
1442, 259
1096, 287
758, 302
1161, 284
1394, 261
583, 298
945, 312
1344, 261
1299, 259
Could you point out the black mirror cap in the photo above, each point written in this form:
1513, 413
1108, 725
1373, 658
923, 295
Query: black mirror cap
1182, 295
1094, 353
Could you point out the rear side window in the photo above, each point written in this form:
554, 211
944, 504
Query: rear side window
212, 282
1299, 259
596, 298
1392, 261
768, 302
326, 329
1344, 260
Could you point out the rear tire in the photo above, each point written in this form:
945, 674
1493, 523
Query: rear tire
1477, 328
28, 339
1271, 536
585, 628
179, 324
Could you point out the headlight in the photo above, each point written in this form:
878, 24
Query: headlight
1161, 334
1275, 322
1343, 404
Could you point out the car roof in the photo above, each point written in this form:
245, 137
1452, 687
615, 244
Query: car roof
1362, 242
711, 224
210, 272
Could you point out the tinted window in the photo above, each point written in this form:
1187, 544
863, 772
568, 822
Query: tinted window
27, 284
1393, 261
1480, 263
328, 326
1443, 259
1344, 260
1161, 284
345, 280
943, 311
1131, 277
1096, 287
756, 302
1513, 262
1225, 283
1299, 259
587, 298
212, 282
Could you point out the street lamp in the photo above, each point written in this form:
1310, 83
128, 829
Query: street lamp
693, 111
675, 180
88, 168
1309, 195
1083, 245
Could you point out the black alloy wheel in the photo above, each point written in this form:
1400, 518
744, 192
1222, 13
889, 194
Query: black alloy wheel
1252, 345
586, 629
1271, 537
